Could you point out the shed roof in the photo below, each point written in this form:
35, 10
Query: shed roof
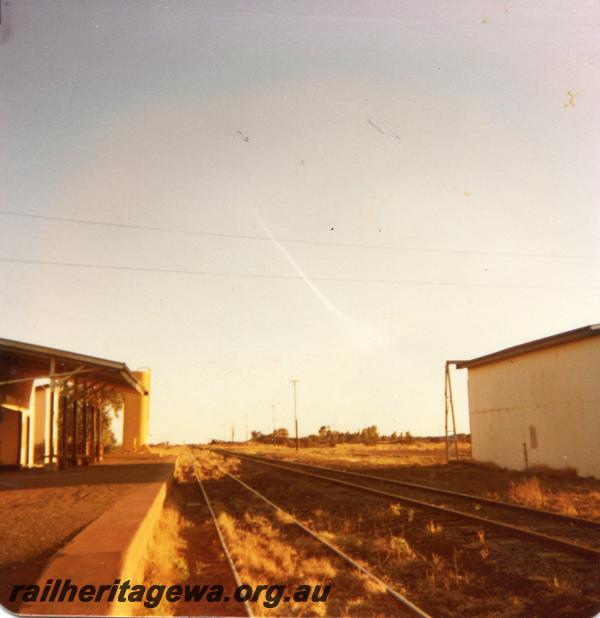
591, 330
20, 360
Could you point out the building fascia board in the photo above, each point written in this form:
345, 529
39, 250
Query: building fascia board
35, 353
532, 346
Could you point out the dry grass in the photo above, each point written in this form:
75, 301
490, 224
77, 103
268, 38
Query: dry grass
262, 554
165, 561
390, 538
545, 493
383, 543
420, 453
528, 492
446, 575
424, 461
268, 548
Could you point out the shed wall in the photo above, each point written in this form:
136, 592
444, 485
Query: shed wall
548, 400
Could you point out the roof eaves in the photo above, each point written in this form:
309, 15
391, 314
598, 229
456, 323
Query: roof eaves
33, 349
63, 355
531, 346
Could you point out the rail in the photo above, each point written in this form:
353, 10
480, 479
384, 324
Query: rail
558, 542
221, 539
397, 596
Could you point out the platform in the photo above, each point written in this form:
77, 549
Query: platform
44, 511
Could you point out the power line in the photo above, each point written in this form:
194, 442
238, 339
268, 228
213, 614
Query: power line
405, 282
323, 243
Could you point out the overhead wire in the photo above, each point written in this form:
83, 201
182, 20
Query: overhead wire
324, 243
405, 282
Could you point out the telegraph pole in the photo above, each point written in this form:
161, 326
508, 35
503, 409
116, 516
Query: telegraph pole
232, 433
294, 382
246, 425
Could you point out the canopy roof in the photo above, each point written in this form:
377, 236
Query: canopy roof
21, 362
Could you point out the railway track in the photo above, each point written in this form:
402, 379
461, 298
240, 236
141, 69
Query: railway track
408, 607
449, 562
226, 551
566, 533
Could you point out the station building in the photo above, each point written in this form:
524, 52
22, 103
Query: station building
51, 401
538, 403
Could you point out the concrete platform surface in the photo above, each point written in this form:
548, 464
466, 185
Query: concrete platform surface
110, 548
43, 511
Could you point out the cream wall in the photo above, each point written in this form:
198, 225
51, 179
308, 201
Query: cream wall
10, 437
36, 451
17, 429
556, 391
136, 415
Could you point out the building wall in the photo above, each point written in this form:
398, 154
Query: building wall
136, 415
548, 400
24, 431
10, 437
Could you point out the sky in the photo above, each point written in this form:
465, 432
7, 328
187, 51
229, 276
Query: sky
343, 193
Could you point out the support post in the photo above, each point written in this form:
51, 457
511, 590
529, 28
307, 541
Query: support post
273, 435
294, 382
84, 450
50, 450
63, 407
98, 435
449, 409
92, 451
446, 412
452, 412
75, 406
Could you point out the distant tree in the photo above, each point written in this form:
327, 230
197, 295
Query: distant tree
324, 431
328, 436
111, 406
279, 436
369, 435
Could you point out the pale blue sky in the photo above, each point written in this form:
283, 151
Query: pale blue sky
441, 127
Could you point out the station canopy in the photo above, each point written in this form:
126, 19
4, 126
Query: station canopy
21, 363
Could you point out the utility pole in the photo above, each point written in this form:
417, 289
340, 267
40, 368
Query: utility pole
294, 382
232, 433
273, 406
449, 408
246, 425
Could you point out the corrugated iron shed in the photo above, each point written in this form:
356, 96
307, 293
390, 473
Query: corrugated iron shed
591, 330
